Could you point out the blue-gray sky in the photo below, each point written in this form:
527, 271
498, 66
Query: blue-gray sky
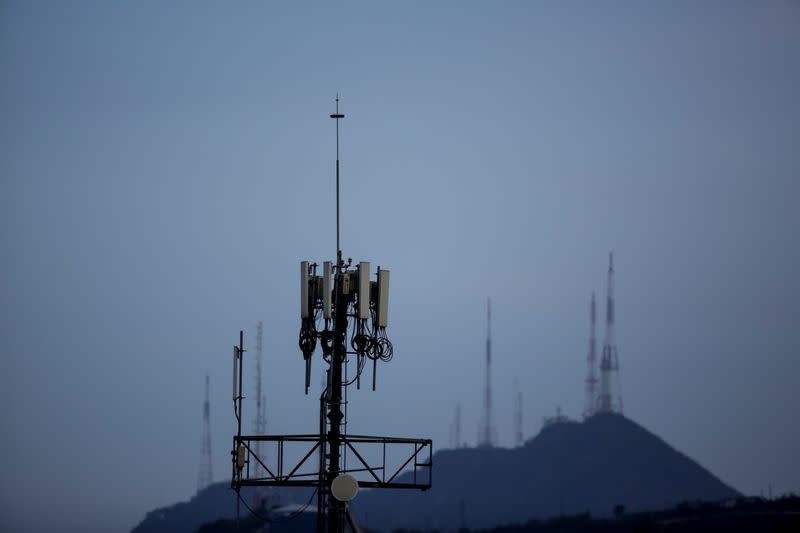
164, 167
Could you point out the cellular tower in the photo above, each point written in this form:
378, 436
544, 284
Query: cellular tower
344, 310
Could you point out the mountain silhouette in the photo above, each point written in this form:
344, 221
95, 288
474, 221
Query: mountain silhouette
568, 468
593, 466
215, 502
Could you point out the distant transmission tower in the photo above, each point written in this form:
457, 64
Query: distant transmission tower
519, 437
610, 399
486, 436
455, 435
591, 376
204, 475
261, 402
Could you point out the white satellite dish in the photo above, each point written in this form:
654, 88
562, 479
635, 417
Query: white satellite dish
344, 488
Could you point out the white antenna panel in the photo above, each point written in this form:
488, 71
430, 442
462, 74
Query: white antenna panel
383, 298
363, 290
304, 311
327, 268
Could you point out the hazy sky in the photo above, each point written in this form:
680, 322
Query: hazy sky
164, 168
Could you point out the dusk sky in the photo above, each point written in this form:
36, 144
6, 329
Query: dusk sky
164, 167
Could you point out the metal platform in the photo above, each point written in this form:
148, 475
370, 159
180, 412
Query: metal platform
293, 463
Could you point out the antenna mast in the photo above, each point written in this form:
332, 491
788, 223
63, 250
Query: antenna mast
519, 437
261, 401
204, 475
486, 439
591, 360
456, 429
610, 399
337, 116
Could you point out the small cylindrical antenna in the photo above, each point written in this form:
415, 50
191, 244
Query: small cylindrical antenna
308, 374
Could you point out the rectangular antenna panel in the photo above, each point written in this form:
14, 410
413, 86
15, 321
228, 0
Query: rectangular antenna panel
304, 311
235, 371
363, 290
345, 281
383, 298
327, 267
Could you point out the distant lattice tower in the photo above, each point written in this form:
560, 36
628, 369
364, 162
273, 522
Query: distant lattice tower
519, 437
204, 475
486, 432
590, 405
610, 399
455, 430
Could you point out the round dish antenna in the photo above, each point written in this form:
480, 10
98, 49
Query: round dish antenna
344, 487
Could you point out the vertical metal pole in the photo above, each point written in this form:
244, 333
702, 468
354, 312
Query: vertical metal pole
334, 396
335, 507
337, 116
321, 478
338, 248
239, 430
487, 399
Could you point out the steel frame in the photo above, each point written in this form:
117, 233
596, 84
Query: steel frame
421, 470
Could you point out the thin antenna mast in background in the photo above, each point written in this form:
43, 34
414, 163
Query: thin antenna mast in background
486, 437
590, 404
610, 397
261, 419
519, 436
204, 475
455, 432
